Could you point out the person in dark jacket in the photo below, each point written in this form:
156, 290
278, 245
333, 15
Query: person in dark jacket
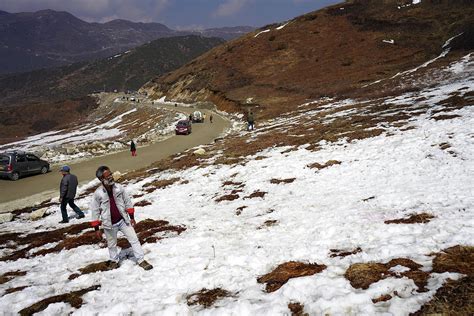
133, 148
67, 193
250, 121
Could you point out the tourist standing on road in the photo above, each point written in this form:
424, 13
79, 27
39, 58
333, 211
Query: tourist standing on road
210, 118
112, 208
190, 117
133, 148
67, 193
250, 121
204, 118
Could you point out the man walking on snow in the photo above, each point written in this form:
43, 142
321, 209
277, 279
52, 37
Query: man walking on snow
67, 193
112, 208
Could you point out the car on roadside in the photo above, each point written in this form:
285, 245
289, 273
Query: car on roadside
16, 164
183, 127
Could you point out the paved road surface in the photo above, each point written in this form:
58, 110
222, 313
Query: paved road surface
40, 187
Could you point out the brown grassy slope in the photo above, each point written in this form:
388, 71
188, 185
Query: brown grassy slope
331, 52
42, 116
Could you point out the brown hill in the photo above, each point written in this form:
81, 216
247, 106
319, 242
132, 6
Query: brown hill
331, 52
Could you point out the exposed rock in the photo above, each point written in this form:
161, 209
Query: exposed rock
6, 217
117, 175
199, 152
38, 214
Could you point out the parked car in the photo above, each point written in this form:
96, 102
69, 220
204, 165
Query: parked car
17, 164
183, 127
198, 117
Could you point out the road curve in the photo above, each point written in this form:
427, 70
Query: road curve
31, 189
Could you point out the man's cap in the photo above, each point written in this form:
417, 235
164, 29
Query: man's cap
65, 169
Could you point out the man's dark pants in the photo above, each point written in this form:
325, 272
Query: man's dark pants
74, 207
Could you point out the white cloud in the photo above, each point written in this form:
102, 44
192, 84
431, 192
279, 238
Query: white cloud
229, 8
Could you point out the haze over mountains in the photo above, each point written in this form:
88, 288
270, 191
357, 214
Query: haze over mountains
48, 38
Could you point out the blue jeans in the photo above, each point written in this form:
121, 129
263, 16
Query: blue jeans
74, 207
129, 233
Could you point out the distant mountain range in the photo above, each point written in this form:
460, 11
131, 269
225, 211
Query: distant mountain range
123, 71
32, 102
48, 38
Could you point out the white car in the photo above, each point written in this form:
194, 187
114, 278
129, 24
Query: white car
198, 117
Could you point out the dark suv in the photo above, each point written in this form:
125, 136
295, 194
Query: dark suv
16, 164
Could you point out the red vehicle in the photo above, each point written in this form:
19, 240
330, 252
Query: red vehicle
183, 127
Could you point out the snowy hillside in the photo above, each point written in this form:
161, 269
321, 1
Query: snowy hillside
358, 225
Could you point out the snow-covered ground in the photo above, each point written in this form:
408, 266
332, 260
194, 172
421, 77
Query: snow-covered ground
343, 207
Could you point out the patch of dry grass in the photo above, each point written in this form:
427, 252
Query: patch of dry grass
4, 278
92, 268
328, 163
278, 181
206, 297
142, 203
73, 298
227, 197
159, 184
15, 289
146, 231
297, 309
269, 223
362, 275
239, 210
39, 239
421, 218
455, 259
288, 270
453, 298
382, 298
256, 194
344, 253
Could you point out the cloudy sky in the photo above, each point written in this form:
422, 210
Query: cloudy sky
177, 14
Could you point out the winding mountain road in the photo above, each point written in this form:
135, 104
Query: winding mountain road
29, 190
